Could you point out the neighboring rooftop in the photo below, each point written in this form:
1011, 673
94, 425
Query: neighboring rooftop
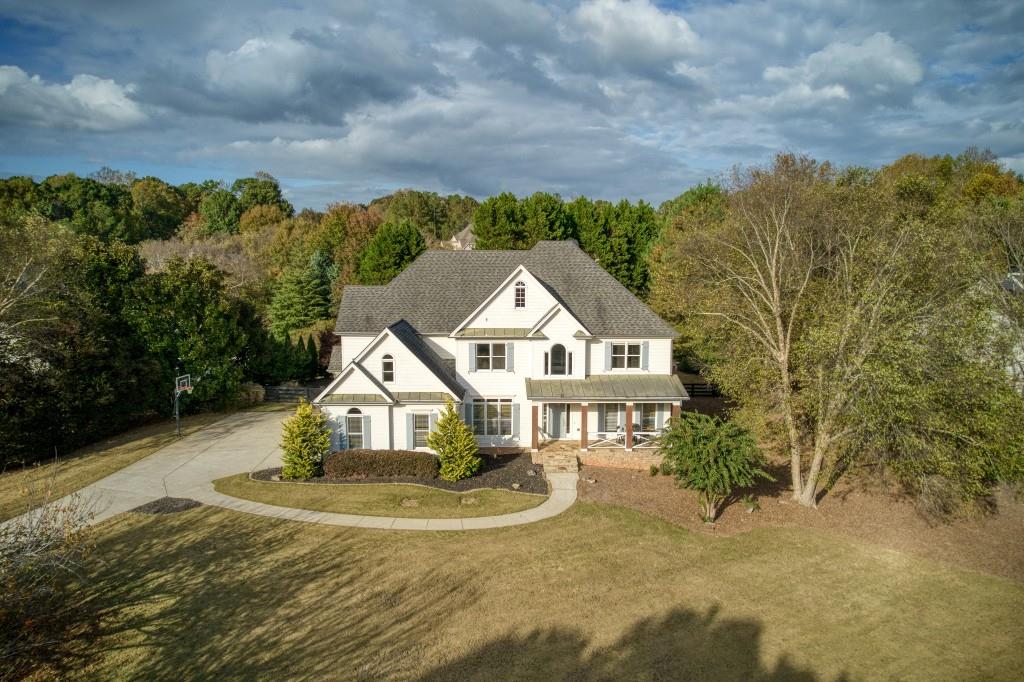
442, 288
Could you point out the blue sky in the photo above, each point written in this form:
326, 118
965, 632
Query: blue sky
345, 101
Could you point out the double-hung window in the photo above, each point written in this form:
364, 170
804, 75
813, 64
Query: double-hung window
354, 428
625, 356
490, 356
520, 294
420, 429
387, 369
492, 417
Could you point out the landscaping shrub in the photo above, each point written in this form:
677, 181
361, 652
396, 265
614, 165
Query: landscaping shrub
712, 457
380, 464
455, 445
305, 441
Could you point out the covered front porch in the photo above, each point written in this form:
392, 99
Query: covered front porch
602, 413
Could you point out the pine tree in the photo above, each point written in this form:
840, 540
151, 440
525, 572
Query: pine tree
305, 441
455, 445
302, 295
314, 358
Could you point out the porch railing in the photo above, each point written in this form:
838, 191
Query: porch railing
617, 439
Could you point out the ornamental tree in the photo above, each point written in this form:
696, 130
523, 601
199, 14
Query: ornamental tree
455, 445
305, 440
712, 457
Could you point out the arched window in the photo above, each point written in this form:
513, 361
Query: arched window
387, 369
354, 428
558, 360
520, 294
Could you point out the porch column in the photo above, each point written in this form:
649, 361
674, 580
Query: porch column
584, 436
534, 428
629, 427
675, 410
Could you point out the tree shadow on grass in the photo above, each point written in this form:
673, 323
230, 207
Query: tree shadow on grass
683, 645
209, 594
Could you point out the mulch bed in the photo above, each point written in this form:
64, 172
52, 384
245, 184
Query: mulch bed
167, 505
497, 472
991, 543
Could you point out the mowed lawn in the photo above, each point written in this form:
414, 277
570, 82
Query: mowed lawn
598, 592
389, 499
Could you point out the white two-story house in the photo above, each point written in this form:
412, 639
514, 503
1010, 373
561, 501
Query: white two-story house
533, 346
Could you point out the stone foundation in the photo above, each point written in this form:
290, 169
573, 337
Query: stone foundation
641, 460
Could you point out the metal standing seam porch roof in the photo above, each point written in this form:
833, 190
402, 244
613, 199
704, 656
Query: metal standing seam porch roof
608, 388
353, 399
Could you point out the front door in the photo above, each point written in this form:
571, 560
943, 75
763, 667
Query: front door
557, 414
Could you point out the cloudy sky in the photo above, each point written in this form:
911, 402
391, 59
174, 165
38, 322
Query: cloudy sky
607, 98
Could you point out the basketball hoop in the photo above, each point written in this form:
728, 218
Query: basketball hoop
183, 384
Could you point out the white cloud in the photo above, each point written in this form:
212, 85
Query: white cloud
86, 103
877, 68
260, 66
636, 31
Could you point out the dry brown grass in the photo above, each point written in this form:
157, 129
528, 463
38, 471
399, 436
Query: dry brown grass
598, 592
373, 499
93, 462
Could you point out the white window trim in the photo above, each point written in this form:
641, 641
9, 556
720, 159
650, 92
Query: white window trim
519, 291
491, 357
625, 357
384, 361
420, 413
482, 401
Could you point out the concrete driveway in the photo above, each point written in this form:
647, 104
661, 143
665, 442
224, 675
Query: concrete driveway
248, 441
245, 441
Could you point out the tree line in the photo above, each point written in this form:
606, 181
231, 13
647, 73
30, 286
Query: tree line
860, 320
863, 321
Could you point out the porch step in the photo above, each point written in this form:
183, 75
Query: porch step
562, 462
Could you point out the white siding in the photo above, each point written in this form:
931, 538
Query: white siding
410, 373
560, 329
659, 356
379, 422
352, 345
502, 312
401, 413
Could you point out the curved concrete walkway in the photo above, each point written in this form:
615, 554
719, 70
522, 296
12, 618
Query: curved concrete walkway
563, 494
248, 441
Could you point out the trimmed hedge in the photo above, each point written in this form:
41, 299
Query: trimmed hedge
380, 464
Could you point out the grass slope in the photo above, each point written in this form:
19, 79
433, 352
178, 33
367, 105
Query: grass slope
377, 500
597, 592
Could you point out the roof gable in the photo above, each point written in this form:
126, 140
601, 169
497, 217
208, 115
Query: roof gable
354, 379
498, 309
403, 333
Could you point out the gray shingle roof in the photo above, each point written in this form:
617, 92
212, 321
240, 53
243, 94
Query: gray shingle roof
441, 288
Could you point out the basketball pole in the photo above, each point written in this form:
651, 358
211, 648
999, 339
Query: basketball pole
177, 416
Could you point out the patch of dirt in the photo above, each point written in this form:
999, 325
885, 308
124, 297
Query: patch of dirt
991, 543
167, 505
499, 472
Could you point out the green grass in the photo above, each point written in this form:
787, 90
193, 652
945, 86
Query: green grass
597, 592
378, 499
